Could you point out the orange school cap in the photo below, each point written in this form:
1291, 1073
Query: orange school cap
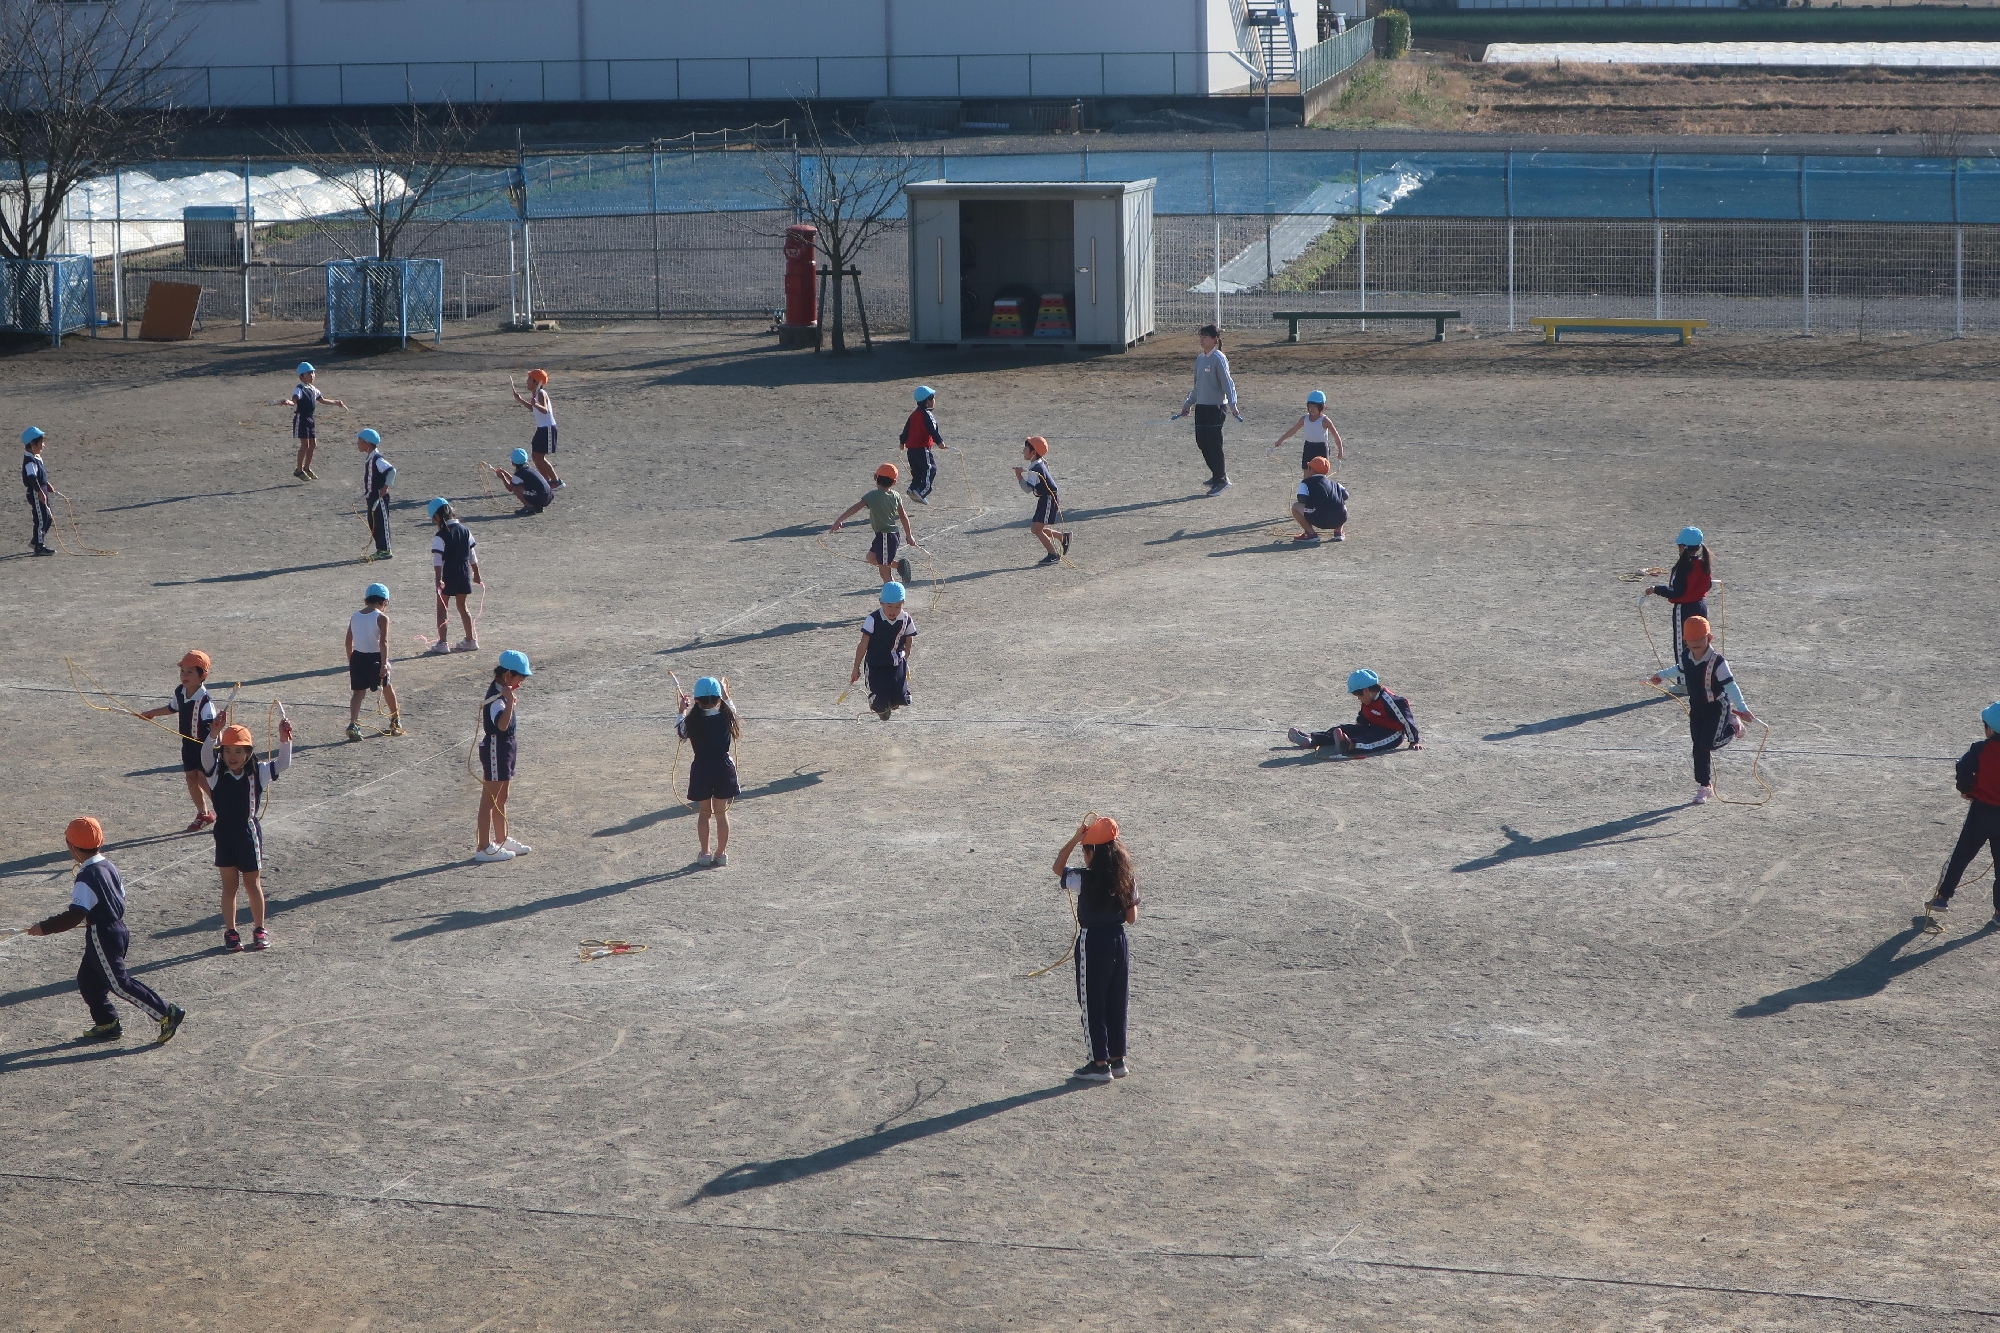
1039, 445
1319, 465
237, 735
85, 832
888, 472
538, 377
197, 659
1694, 627
1101, 832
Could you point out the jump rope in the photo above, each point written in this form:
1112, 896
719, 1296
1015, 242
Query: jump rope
83, 548
1721, 639
273, 714
1076, 921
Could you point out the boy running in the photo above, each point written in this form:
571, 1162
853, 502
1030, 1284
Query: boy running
920, 436
1038, 481
885, 511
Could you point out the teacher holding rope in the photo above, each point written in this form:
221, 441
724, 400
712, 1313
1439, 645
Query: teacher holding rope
1213, 391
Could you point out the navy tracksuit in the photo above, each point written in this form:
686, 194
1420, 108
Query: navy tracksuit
97, 903
1978, 778
35, 479
1382, 725
1687, 589
1103, 964
920, 434
375, 482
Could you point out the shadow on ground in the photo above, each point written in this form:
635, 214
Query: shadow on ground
1520, 845
1867, 975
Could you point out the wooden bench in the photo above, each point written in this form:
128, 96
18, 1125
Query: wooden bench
1554, 326
1292, 318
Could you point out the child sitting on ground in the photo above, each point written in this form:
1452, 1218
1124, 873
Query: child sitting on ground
368, 661
1384, 723
1322, 501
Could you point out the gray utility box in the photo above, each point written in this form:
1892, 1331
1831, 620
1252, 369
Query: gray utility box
1020, 263
212, 235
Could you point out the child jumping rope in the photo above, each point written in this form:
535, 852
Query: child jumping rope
378, 475
888, 637
525, 484
1318, 428
538, 405
1038, 481
368, 660
1716, 711
305, 401
195, 712
920, 436
1978, 776
1384, 723
496, 758
97, 903
1322, 503
35, 478
455, 568
1687, 587
238, 781
1107, 901
709, 723
885, 511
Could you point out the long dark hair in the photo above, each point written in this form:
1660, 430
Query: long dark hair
1700, 554
729, 711
1113, 869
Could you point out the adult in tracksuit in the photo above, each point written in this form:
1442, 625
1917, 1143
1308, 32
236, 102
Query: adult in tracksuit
377, 476
921, 435
1979, 784
1107, 901
97, 903
1687, 587
1213, 392
35, 480
1384, 723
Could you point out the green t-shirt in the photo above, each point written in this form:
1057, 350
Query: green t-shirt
883, 506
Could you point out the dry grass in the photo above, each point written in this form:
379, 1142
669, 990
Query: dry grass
1440, 92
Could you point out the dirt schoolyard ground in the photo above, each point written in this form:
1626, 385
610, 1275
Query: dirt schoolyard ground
1504, 1034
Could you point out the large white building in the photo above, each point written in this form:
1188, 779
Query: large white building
351, 52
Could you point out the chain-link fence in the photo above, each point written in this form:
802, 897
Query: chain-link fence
1744, 276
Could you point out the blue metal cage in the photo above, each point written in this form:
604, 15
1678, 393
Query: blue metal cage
384, 298
50, 296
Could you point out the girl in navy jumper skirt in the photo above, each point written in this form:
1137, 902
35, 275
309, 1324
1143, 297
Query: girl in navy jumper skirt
709, 723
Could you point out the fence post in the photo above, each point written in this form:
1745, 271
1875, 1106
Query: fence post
1215, 282
513, 301
118, 251
528, 270
1510, 275
248, 223
1362, 227
1659, 295
1805, 271
653, 203
1958, 282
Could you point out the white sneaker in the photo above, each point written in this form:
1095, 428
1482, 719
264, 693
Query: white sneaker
1299, 736
518, 848
1703, 795
722, 858
493, 854
441, 646
467, 646
704, 860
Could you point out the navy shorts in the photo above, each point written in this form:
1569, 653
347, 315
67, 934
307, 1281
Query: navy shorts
544, 442
305, 428
190, 756
883, 549
713, 780
240, 847
1047, 509
1334, 517
366, 671
496, 758
457, 583
1313, 451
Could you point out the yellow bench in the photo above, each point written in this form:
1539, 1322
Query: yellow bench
1554, 326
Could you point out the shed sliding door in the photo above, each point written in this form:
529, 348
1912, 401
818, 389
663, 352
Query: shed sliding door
1100, 297
934, 301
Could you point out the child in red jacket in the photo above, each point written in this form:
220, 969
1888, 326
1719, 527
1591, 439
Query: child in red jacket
1384, 723
1978, 783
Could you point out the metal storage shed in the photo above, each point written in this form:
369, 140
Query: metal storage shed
1058, 250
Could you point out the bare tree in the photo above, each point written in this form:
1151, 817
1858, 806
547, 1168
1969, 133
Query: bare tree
392, 173
84, 89
846, 189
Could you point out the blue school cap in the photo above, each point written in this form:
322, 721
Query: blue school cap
708, 687
892, 591
518, 457
1358, 681
1690, 537
925, 393
1990, 715
376, 590
369, 436
1316, 397
515, 662
31, 434
432, 508
305, 367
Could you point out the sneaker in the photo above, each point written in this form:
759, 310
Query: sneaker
385, 555
1093, 1073
42, 550
722, 858
260, 938
207, 819
919, 497
903, 569
1309, 538
466, 646
1940, 903
1218, 487
883, 713
1339, 536
232, 941
171, 1024
1703, 795
442, 646
200, 823
1065, 540
1118, 1069
518, 848
557, 484
1050, 559
485, 854
311, 475
704, 860
354, 731
1300, 736
395, 727
111, 1031
299, 472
